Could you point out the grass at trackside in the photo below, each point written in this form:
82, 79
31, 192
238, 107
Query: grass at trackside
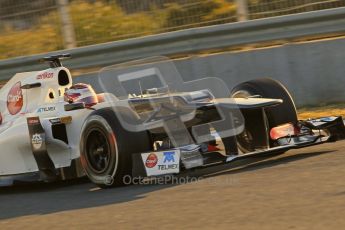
337, 109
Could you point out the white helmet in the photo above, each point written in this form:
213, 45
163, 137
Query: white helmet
81, 92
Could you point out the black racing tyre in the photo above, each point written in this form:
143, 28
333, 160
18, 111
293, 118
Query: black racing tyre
269, 88
276, 115
106, 148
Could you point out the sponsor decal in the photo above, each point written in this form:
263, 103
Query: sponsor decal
169, 157
15, 99
33, 121
160, 163
169, 161
45, 75
37, 141
46, 109
151, 160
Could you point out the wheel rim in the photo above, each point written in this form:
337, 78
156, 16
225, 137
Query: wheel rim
98, 150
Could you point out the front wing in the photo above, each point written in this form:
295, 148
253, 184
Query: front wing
174, 161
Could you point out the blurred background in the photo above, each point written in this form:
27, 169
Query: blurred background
40, 26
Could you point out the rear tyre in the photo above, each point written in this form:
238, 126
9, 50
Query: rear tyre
106, 148
252, 137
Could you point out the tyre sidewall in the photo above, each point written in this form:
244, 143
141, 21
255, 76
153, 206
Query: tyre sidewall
269, 88
98, 122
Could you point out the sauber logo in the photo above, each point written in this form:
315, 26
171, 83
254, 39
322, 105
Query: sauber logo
15, 99
45, 75
151, 160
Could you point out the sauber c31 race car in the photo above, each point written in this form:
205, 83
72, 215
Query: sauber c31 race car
146, 122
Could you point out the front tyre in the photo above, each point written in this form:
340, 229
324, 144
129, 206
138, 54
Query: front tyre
269, 88
254, 135
106, 148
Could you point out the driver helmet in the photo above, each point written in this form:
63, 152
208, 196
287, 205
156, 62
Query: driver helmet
81, 92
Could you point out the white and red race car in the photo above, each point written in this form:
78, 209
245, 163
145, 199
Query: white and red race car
146, 122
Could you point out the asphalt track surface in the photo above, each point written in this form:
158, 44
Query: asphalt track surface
301, 189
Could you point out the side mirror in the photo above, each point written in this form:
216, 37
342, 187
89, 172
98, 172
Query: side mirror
31, 86
75, 106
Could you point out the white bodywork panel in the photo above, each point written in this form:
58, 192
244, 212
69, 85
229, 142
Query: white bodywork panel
16, 155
